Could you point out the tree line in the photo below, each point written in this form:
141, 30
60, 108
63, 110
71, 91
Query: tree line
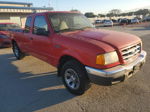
117, 12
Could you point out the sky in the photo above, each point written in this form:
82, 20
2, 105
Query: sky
96, 6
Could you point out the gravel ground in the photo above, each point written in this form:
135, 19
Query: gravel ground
32, 85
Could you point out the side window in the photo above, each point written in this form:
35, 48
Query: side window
28, 25
40, 26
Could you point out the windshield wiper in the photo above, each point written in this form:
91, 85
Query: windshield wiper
83, 28
65, 30
73, 29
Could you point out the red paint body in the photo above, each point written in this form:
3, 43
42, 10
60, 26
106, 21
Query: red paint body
81, 45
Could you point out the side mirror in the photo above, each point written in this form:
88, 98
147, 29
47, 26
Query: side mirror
42, 31
21, 30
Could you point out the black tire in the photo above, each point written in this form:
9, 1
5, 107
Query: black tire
17, 52
79, 77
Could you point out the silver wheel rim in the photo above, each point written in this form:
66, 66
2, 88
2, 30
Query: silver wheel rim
72, 79
16, 51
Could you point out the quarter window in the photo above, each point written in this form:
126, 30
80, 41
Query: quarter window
28, 25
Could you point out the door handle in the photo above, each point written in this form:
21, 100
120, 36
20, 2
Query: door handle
31, 38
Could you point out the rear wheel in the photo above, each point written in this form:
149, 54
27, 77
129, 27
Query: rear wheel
75, 77
17, 52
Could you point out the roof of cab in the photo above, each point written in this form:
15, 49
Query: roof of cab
55, 12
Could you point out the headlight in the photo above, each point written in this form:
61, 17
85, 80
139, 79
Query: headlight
108, 58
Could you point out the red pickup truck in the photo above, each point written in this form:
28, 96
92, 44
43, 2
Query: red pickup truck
68, 41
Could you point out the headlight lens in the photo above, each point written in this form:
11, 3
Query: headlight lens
107, 58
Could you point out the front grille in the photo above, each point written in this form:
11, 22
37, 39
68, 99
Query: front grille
131, 51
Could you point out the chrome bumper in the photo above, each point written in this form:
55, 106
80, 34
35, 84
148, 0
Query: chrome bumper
121, 70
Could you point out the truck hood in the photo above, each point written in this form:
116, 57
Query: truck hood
115, 39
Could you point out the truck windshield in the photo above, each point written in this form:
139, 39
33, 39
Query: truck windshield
63, 22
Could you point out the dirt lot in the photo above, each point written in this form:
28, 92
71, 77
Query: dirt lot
32, 85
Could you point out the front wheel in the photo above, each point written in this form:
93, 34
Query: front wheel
75, 77
17, 52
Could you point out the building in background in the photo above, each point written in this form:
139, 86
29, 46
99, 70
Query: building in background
16, 12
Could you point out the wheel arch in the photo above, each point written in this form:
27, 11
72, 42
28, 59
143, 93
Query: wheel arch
13, 41
63, 59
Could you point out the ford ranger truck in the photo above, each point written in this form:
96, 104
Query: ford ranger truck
68, 41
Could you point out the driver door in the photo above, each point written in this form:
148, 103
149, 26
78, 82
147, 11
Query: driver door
41, 38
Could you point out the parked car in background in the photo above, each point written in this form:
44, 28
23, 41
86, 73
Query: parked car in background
98, 21
134, 21
5, 32
123, 21
114, 20
103, 20
146, 19
140, 19
119, 20
108, 23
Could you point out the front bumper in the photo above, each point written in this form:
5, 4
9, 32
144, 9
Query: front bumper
120, 72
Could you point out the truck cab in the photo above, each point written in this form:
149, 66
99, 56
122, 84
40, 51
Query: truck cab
68, 41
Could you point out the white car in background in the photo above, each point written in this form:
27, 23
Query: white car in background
108, 23
146, 18
134, 21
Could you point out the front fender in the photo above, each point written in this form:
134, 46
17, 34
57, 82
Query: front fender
75, 55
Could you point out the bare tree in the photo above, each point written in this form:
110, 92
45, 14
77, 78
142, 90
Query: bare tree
90, 14
74, 10
115, 12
